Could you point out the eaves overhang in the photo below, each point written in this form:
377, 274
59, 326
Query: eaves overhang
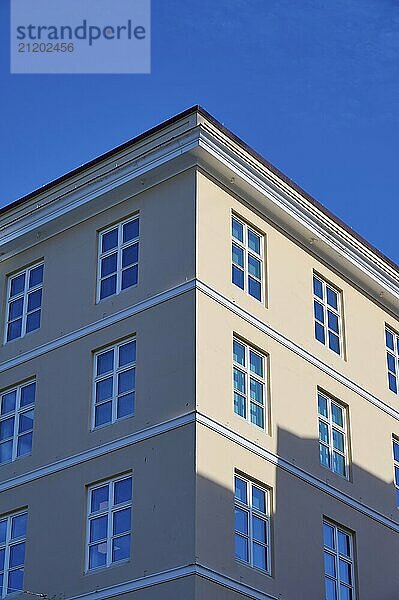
192, 138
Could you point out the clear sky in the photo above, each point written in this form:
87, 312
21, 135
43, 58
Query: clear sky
313, 85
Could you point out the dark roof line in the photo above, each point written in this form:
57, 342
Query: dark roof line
229, 134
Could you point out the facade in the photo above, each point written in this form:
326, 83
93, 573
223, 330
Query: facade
198, 383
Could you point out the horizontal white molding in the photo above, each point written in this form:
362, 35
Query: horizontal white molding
97, 451
100, 324
296, 471
287, 343
173, 575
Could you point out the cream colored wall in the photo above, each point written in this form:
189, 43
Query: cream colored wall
289, 301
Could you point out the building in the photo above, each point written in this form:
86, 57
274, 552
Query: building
198, 377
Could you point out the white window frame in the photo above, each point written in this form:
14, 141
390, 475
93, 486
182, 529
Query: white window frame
109, 512
119, 250
327, 307
338, 556
248, 375
24, 296
395, 441
16, 414
331, 426
116, 370
247, 251
251, 511
394, 354
9, 543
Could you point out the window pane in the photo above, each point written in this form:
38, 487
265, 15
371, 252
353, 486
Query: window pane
259, 556
104, 389
240, 490
337, 414
17, 555
18, 526
2, 558
319, 333
8, 402
319, 311
15, 581
323, 406
237, 255
256, 390
328, 536
129, 277
392, 383
238, 277
338, 440
333, 321
345, 593
121, 548
332, 298
33, 321
5, 452
127, 353
331, 593
241, 521
344, 544
3, 531
125, 405
122, 521
241, 548
14, 330
333, 342
36, 276
239, 380
329, 564
105, 362
131, 230
28, 394
97, 555
24, 446
256, 363
345, 572
254, 241
6, 428
237, 230
109, 240
25, 421
396, 450
259, 529
397, 476
389, 340
239, 353
130, 255
258, 499
339, 464
17, 285
257, 414
99, 498
108, 287
126, 381
103, 414
254, 267
123, 491
391, 362
317, 287
34, 300
324, 455
15, 309
98, 528
323, 432
254, 288
239, 405
109, 265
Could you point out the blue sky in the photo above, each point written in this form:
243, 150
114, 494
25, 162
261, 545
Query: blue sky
312, 85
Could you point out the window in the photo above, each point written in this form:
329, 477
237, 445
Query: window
24, 302
249, 383
392, 346
109, 523
395, 444
114, 383
252, 524
247, 258
118, 257
16, 421
333, 437
12, 553
327, 314
338, 563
